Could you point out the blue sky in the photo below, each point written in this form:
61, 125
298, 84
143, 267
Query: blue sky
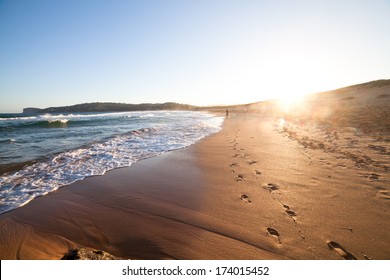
55, 53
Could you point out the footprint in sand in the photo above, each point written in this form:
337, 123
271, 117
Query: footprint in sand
380, 149
334, 246
383, 193
245, 198
367, 257
273, 232
289, 212
257, 172
239, 178
271, 187
233, 165
373, 177
251, 162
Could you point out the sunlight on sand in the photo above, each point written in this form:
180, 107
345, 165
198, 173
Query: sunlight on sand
282, 123
290, 103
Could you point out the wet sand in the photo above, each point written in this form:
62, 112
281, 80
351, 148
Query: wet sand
267, 186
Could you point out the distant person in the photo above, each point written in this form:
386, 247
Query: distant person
227, 112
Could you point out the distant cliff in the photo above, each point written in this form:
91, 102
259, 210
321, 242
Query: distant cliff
30, 110
110, 107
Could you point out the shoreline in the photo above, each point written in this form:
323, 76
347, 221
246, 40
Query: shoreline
77, 152
246, 192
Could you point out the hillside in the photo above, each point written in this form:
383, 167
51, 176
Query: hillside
110, 107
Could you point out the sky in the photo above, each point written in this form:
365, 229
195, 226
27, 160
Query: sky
205, 52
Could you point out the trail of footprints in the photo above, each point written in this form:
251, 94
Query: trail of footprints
272, 188
332, 245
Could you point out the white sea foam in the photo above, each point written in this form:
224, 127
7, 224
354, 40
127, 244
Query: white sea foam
69, 116
147, 115
156, 134
17, 119
58, 120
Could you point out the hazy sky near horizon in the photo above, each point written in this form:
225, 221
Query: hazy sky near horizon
64, 52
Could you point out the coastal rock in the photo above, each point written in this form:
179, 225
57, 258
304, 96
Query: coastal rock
88, 254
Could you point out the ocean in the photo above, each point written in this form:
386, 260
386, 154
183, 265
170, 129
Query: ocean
41, 153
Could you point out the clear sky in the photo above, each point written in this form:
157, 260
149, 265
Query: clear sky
65, 52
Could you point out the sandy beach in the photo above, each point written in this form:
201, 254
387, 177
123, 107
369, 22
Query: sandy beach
309, 184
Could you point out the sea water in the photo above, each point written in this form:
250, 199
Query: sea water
46, 152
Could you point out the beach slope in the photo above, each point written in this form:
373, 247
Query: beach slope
286, 185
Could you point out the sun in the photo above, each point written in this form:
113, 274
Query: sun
289, 102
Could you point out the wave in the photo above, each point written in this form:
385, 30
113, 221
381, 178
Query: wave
69, 116
147, 116
4, 119
48, 123
8, 141
61, 120
56, 123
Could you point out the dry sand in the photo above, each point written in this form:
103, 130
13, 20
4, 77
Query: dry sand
308, 183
